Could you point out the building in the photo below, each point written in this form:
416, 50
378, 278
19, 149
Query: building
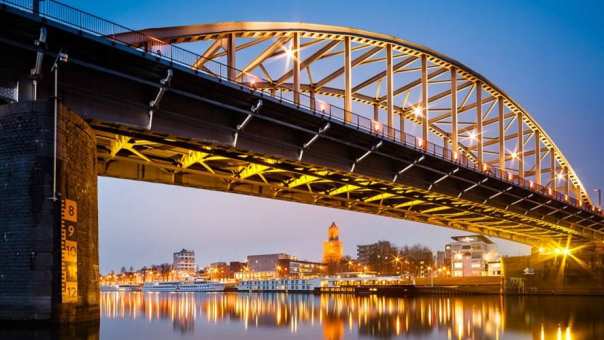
218, 271
440, 259
299, 268
265, 262
262, 266
333, 251
448, 255
381, 249
378, 257
184, 261
236, 267
270, 266
473, 255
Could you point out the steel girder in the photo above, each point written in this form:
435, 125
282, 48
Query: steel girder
217, 168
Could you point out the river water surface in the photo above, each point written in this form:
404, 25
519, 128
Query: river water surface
254, 316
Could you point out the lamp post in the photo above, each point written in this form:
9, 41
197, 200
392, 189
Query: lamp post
599, 191
398, 264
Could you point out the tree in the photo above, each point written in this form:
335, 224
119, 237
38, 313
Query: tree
165, 269
416, 259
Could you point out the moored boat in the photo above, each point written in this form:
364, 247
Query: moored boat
201, 286
168, 286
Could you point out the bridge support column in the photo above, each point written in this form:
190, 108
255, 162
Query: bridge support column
48, 248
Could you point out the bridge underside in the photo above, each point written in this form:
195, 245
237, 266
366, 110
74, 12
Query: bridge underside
205, 135
214, 168
137, 155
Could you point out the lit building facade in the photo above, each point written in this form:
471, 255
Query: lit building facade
270, 266
217, 271
381, 249
299, 268
440, 259
263, 266
378, 257
333, 251
184, 261
473, 255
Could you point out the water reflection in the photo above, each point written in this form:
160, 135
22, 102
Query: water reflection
336, 317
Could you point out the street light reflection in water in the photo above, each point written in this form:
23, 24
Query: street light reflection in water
334, 317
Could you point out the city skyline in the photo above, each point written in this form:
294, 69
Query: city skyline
350, 250
511, 61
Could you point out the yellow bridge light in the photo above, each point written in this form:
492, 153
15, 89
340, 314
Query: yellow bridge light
565, 251
322, 106
560, 176
417, 111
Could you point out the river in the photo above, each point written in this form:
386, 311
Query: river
334, 317
273, 316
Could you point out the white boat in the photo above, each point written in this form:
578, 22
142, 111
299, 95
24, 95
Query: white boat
176, 286
168, 286
120, 288
109, 288
201, 286
128, 288
279, 285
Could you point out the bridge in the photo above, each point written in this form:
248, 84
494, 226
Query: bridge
316, 114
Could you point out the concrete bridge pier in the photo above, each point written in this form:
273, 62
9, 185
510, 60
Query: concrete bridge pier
48, 237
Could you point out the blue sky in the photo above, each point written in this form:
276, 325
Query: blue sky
548, 55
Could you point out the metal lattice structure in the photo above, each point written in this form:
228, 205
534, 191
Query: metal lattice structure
403, 87
394, 96
225, 169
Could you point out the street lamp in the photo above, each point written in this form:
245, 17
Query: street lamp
599, 191
398, 262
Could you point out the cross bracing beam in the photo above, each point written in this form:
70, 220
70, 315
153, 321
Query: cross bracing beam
313, 139
198, 157
367, 153
306, 179
343, 189
268, 52
305, 64
126, 143
339, 72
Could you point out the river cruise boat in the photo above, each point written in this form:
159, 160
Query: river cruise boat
201, 286
177, 286
109, 288
129, 288
279, 285
168, 286
120, 288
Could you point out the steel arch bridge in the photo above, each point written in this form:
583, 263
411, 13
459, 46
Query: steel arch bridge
390, 86
339, 117
400, 85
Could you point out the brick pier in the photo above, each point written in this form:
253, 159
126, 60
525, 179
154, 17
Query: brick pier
48, 248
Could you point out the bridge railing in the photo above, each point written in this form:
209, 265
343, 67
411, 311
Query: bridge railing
96, 25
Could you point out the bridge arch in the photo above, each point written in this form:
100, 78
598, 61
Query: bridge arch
403, 87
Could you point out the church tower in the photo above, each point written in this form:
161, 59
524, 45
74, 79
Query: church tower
332, 248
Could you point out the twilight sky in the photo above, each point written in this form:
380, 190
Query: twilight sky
548, 55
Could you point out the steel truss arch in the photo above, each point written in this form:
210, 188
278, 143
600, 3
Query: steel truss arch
441, 100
